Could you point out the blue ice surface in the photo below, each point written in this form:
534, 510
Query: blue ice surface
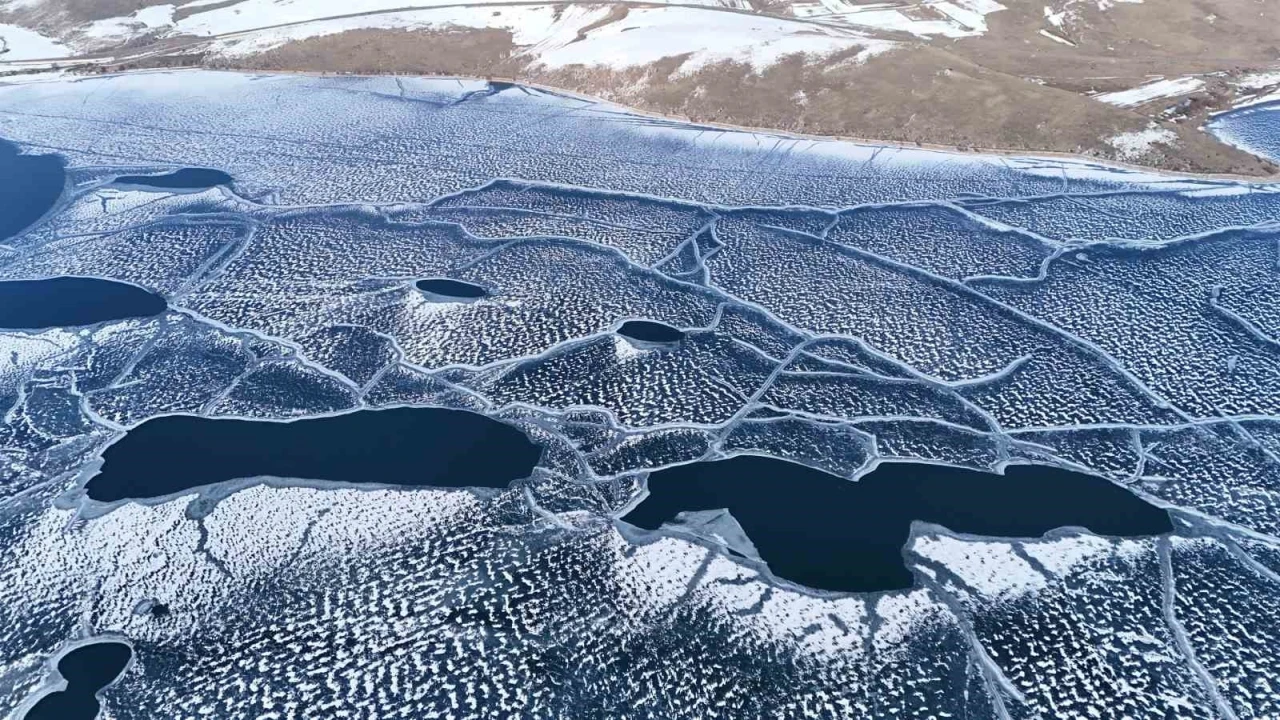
816, 280
1255, 129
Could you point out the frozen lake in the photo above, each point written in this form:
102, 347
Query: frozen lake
1110, 335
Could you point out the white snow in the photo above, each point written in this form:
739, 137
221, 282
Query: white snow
648, 35
954, 18
900, 615
656, 575
1057, 39
1151, 91
1258, 80
991, 568
19, 43
155, 16
121, 29
642, 37
1134, 145
623, 350
1069, 12
255, 14
199, 3
1060, 556
529, 25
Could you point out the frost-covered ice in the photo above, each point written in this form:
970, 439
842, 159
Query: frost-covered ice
843, 305
1252, 128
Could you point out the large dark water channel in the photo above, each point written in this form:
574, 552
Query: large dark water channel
29, 186
71, 301
402, 446
184, 179
822, 531
87, 670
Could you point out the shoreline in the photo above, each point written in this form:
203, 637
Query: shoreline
1028, 154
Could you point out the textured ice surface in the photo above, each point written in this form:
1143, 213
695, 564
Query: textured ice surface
842, 305
1255, 129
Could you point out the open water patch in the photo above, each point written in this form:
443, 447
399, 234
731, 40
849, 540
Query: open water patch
447, 289
72, 301
412, 447
184, 179
30, 185
86, 669
822, 531
650, 331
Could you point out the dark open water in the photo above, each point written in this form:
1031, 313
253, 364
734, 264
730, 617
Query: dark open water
826, 532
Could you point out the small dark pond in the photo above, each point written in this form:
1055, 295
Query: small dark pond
822, 531
87, 669
444, 287
70, 301
650, 331
29, 186
184, 179
402, 446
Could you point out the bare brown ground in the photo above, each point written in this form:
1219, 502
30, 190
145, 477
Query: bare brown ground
919, 94
445, 52
1129, 42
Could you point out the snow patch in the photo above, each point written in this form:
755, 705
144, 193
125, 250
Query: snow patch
122, 29
1057, 39
551, 38
1061, 556
993, 569
19, 43
1151, 91
948, 18
1135, 145
648, 35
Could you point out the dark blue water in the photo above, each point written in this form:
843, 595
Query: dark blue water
70, 301
184, 179
402, 446
87, 670
822, 531
29, 186
1254, 129
650, 331
445, 287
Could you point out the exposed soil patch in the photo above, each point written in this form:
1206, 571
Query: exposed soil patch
460, 51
